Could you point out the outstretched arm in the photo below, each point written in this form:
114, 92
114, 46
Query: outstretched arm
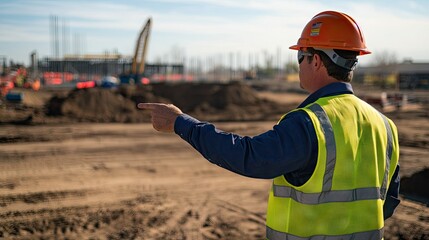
288, 147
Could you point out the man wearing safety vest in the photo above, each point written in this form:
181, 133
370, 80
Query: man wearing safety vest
334, 159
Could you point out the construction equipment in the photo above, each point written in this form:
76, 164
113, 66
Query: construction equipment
5, 83
136, 74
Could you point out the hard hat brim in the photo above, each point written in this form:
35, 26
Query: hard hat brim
361, 51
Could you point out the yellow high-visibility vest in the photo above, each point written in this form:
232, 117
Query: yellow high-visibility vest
358, 152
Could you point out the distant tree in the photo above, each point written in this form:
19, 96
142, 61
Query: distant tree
267, 71
384, 58
291, 67
177, 54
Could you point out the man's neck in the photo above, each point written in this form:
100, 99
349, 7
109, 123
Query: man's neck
322, 82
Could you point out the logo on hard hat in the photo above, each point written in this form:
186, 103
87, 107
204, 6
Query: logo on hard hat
315, 29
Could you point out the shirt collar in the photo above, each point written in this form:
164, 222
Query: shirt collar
332, 89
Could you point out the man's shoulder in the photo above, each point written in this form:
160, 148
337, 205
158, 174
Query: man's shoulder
298, 115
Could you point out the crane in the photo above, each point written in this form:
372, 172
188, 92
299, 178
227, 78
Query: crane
138, 64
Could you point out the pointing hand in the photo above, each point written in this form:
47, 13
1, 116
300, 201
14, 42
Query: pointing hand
163, 115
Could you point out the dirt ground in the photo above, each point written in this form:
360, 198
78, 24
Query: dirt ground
82, 179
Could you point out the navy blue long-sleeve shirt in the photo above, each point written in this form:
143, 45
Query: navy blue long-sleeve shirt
289, 149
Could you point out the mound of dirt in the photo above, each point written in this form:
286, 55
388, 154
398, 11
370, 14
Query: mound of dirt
220, 101
95, 105
207, 101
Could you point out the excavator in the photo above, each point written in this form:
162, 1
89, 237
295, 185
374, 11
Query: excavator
136, 75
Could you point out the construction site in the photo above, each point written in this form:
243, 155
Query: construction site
80, 161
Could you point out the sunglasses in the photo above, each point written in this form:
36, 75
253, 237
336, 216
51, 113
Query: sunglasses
302, 54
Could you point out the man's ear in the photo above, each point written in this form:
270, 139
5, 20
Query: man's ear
317, 61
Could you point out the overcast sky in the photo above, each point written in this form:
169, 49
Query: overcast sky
205, 28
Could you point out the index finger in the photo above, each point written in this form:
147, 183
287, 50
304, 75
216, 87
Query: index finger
146, 106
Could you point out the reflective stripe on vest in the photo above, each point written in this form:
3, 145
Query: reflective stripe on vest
331, 149
388, 157
326, 197
338, 195
369, 235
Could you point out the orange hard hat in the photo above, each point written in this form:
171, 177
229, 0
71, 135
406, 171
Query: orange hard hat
332, 30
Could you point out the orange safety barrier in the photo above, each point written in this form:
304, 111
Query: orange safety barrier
87, 84
55, 78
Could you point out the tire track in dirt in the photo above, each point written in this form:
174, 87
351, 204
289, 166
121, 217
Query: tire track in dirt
39, 197
124, 220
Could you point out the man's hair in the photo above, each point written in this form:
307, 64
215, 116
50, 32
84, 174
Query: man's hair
334, 70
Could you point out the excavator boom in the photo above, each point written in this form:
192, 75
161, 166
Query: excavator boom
141, 50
